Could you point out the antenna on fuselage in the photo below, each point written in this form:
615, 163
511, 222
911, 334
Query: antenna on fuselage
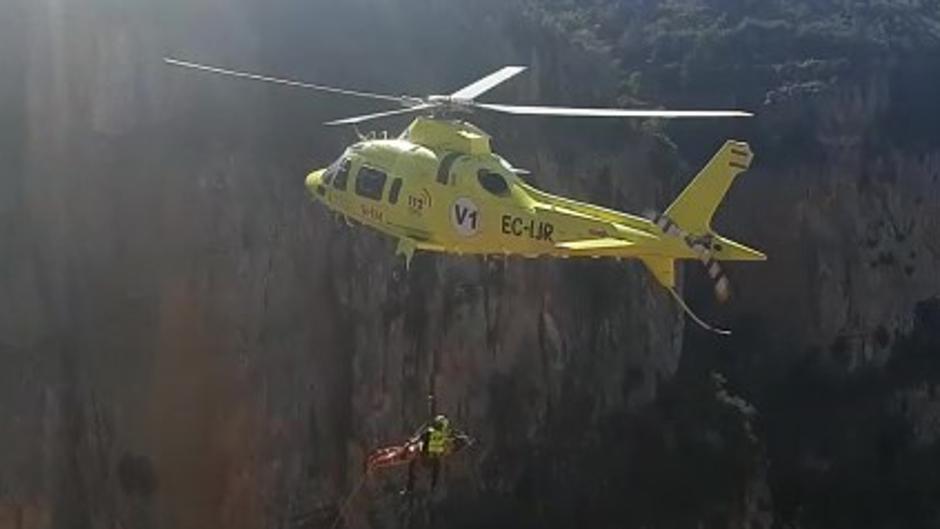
359, 134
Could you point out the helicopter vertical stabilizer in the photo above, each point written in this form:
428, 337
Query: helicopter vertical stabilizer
692, 211
695, 206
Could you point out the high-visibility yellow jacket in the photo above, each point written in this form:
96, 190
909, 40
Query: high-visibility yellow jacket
437, 441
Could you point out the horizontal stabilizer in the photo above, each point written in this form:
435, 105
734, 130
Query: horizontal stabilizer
728, 250
595, 244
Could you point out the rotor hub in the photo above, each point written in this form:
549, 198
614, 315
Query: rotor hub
442, 105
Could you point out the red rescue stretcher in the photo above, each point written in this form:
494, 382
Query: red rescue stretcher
393, 456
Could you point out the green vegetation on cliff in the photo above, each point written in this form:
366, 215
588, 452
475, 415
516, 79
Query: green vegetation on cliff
775, 57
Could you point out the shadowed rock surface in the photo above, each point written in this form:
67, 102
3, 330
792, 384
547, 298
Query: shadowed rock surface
186, 342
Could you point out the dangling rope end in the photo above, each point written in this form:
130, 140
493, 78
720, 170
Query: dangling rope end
701, 323
344, 507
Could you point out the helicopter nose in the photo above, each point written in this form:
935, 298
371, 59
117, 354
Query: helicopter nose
314, 183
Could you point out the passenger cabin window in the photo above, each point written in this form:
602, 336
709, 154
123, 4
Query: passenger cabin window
370, 183
493, 182
447, 163
394, 191
342, 175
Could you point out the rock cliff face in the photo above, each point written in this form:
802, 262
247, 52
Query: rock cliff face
187, 342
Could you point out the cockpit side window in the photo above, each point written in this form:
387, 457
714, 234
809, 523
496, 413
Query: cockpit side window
493, 182
394, 191
342, 175
370, 183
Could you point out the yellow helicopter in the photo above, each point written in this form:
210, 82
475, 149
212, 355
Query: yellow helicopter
438, 187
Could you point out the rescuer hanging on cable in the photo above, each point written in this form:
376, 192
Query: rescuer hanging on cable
434, 441
438, 439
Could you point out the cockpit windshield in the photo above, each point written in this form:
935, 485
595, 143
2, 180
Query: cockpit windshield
337, 173
331, 171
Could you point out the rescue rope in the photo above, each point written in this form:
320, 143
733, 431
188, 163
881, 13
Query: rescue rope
694, 317
341, 514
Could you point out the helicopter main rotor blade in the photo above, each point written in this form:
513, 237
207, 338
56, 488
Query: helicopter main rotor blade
287, 82
611, 112
486, 84
366, 117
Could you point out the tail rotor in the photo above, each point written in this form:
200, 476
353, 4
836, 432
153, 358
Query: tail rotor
703, 246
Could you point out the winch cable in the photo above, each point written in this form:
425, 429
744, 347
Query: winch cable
701, 323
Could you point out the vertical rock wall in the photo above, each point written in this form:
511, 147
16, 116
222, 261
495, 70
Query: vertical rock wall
187, 342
